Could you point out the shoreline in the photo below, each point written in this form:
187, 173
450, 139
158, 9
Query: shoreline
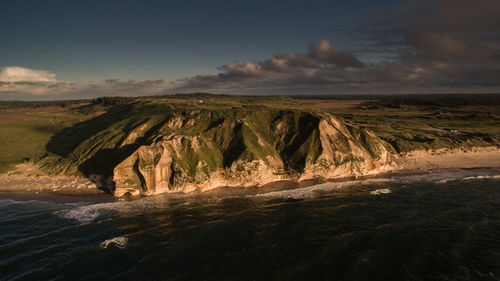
28, 179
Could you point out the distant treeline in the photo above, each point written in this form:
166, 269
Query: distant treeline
106, 101
113, 100
37, 104
336, 97
391, 101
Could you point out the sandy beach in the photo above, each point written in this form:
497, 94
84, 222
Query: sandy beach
422, 160
28, 178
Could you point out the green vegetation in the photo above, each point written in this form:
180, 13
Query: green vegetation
89, 136
25, 131
97, 145
107, 101
39, 104
430, 122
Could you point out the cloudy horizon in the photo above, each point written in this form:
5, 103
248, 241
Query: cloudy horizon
443, 46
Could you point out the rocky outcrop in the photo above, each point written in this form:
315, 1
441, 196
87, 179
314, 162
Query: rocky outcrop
151, 147
210, 149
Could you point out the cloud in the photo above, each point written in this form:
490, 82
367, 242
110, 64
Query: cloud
18, 74
112, 87
324, 53
419, 47
320, 69
278, 71
422, 46
24, 83
245, 71
443, 47
453, 17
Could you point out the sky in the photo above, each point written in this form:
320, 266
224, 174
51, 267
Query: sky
84, 49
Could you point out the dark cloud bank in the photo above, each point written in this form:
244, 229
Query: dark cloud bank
428, 46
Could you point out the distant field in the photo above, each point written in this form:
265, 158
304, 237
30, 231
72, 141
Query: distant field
405, 122
25, 131
317, 104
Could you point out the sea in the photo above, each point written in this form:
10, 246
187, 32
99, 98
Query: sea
438, 225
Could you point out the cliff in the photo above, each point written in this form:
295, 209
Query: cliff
148, 148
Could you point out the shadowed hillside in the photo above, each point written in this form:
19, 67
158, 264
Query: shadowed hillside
195, 141
154, 146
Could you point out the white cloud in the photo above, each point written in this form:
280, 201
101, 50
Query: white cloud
21, 74
24, 83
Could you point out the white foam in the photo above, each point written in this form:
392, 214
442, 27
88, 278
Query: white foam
435, 177
482, 177
119, 242
88, 213
311, 191
381, 191
457, 175
441, 177
301, 193
443, 181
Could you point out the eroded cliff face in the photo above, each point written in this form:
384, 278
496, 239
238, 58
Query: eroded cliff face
200, 150
149, 148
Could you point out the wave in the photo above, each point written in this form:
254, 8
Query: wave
88, 213
448, 175
443, 181
481, 177
381, 191
312, 191
440, 177
119, 242
477, 177
7, 202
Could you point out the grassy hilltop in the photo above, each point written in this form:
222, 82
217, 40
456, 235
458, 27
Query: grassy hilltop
210, 133
154, 143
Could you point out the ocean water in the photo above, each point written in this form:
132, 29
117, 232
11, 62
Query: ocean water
443, 225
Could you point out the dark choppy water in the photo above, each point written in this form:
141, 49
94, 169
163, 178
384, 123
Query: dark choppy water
440, 226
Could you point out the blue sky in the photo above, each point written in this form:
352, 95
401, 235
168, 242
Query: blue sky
96, 40
83, 42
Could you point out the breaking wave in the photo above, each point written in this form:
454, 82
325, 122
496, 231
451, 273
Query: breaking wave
7, 202
312, 191
443, 181
479, 177
88, 213
381, 191
118, 242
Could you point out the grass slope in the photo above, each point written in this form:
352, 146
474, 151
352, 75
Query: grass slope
90, 133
